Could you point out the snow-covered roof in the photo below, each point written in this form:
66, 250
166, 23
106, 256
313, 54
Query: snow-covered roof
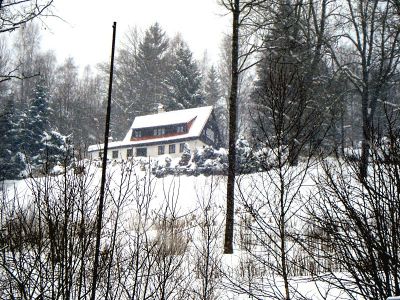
171, 117
199, 115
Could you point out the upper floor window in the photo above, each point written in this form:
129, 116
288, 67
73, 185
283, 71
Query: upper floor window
210, 134
180, 128
138, 133
159, 131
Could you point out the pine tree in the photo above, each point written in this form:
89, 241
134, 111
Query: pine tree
11, 162
151, 70
289, 95
212, 89
184, 81
43, 147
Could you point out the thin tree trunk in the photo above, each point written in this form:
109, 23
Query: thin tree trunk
230, 194
366, 139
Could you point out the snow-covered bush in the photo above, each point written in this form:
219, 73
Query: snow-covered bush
245, 159
209, 161
163, 167
186, 156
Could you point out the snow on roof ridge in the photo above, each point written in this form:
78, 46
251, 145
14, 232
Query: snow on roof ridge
172, 117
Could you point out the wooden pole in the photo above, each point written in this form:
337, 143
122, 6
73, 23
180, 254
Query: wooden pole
103, 174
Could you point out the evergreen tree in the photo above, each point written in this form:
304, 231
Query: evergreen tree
212, 89
151, 70
42, 146
184, 80
290, 95
11, 161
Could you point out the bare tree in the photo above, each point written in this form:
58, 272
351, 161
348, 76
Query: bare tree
126, 83
27, 49
357, 220
240, 11
272, 201
369, 27
15, 14
47, 239
206, 243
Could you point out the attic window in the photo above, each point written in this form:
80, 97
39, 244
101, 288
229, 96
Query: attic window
159, 131
138, 133
180, 128
210, 134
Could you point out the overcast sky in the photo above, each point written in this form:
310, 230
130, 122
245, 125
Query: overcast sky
87, 31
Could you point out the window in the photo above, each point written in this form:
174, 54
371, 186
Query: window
172, 148
180, 129
181, 147
115, 154
138, 133
129, 152
159, 131
141, 151
161, 150
210, 134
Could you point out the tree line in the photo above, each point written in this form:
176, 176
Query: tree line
318, 72
150, 69
314, 78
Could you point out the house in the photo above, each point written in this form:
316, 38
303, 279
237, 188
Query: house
164, 133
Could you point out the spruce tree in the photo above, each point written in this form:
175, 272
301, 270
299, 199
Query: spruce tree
151, 70
11, 160
212, 89
43, 146
290, 96
184, 81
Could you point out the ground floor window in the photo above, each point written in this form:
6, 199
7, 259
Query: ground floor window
115, 154
161, 150
172, 148
181, 147
129, 152
141, 151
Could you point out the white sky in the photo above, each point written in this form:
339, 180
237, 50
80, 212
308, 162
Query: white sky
87, 33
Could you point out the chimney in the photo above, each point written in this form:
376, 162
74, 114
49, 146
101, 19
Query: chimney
160, 108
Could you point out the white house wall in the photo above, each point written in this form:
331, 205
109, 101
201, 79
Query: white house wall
152, 151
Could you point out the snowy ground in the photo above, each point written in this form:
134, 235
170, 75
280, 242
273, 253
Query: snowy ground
187, 198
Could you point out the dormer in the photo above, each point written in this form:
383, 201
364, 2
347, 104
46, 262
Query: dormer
161, 131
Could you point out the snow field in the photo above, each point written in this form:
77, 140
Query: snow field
184, 215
